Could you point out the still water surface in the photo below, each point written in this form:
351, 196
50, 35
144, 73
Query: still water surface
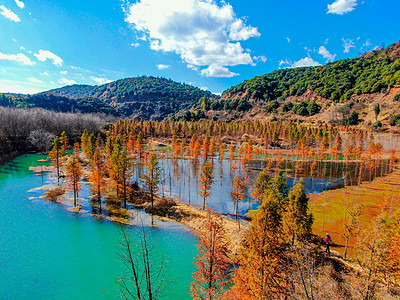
47, 252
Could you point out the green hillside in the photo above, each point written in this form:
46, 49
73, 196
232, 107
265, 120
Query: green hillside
140, 97
373, 72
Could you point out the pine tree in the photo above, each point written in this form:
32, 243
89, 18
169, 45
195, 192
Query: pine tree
261, 184
296, 218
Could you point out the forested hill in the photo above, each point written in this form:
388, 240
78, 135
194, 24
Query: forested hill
363, 90
140, 97
373, 72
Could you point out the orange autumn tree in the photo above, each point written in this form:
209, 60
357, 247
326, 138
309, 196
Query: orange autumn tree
56, 154
262, 258
120, 167
152, 177
64, 141
97, 176
212, 274
73, 174
206, 179
238, 193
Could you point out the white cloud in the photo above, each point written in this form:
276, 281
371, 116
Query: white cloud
347, 44
20, 57
100, 80
304, 62
326, 54
43, 55
45, 73
135, 45
367, 43
35, 80
9, 14
192, 67
67, 81
217, 71
20, 3
163, 67
201, 32
8, 86
341, 7
260, 58
288, 40
63, 72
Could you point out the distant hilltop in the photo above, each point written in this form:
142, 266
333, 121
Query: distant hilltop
144, 97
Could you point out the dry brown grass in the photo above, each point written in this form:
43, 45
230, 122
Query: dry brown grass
329, 207
55, 193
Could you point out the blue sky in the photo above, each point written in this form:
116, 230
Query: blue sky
210, 44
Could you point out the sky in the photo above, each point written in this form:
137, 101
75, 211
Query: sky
207, 43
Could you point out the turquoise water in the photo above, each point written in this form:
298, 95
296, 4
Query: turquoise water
49, 252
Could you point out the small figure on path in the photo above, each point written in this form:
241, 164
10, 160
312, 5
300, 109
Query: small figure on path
328, 242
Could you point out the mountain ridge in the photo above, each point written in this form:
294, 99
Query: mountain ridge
143, 97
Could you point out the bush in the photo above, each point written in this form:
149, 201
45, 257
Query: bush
397, 97
272, 107
287, 107
394, 120
353, 119
54, 194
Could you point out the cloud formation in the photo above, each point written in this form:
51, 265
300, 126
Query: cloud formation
202, 32
67, 81
20, 58
20, 4
347, 44
326, 54
35, 80
100, 80
9, 14
215, 70
304, 62
43, 55
163, 67
341, 7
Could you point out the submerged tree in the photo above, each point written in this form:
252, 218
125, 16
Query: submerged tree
238, 193
143, 280
56, 154
206, 179
152, 177
212, 262
73, 176
120, 167
98, 174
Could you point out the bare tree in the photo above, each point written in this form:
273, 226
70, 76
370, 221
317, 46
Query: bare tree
143, 279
